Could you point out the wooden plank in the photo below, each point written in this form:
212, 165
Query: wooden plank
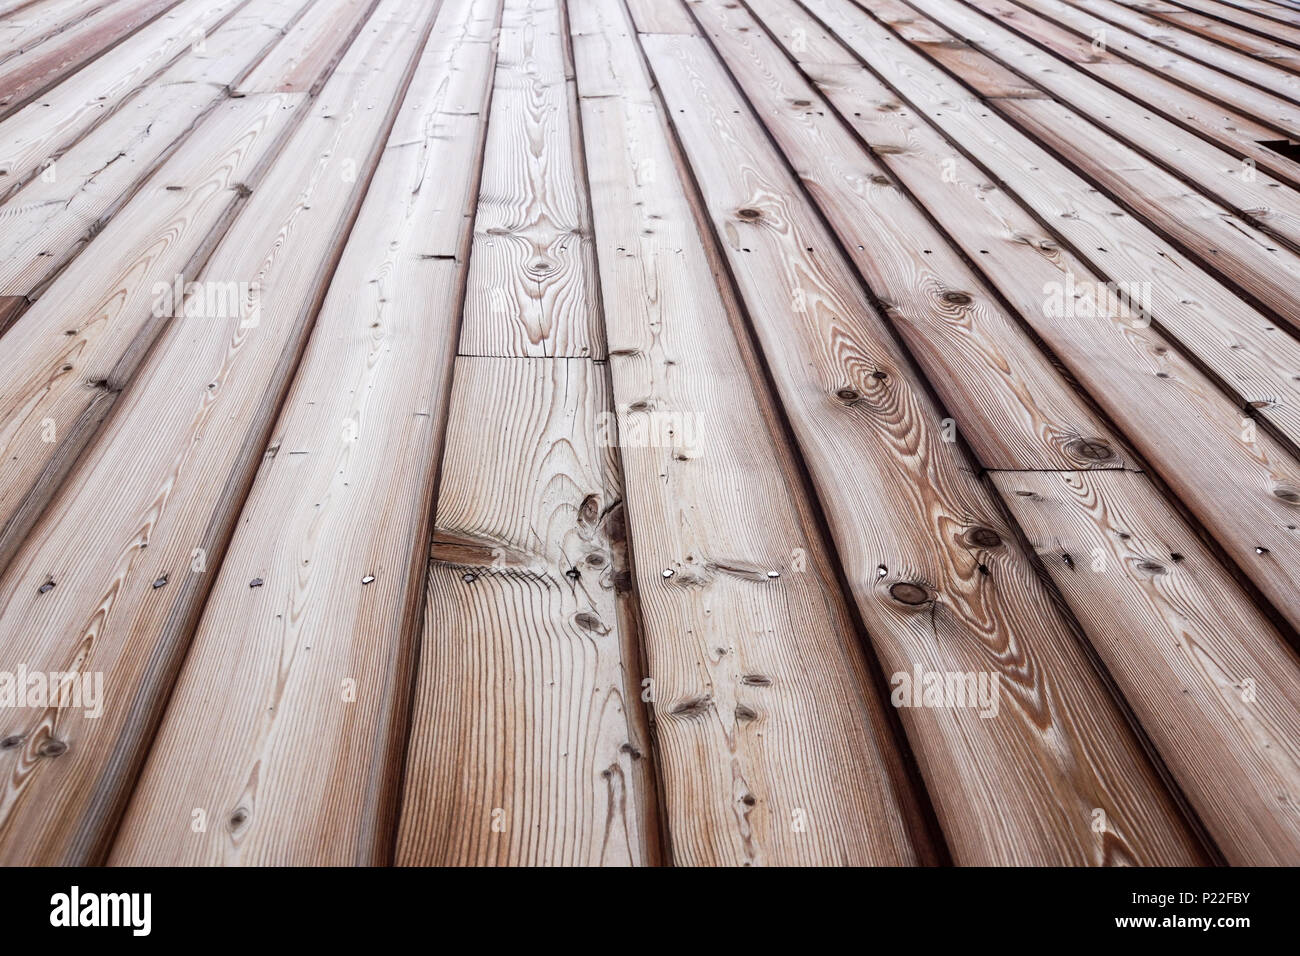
1118, 139
1281, 12
1279, 22
1243, 41
302, 62
1215, 686
1008, 401
189, 433
53, 217
1238, 481
907, 515
655, 16
73, 352
44, 130
341, 598
11, 306
524, 748
531, 281
1128, 84
41, 21
1235, 86
750, 592
27, 75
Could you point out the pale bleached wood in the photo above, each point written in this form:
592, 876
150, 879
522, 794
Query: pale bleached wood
904, 508
709, 501
159, 492
656, 16
29, 73
1282, 23
1211, 680
1007, 400
524, 748
1282, 54
72, 353
40, 21
532, 287
304, 59
44, 129
330, 634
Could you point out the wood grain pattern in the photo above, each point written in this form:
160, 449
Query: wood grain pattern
306, 56
1007, 400
1214, 684
71, 354
709, 501
525, 747
160, 490
328, 638
45, 129
26, 75
532, 285
40, 21
902, 505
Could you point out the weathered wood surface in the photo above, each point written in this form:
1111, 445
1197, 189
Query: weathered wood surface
768, 697
907, 516
532, 285
326, 636
590, 409
159, 492
1211, 680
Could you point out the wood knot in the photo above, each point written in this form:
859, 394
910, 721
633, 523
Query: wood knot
953, 297
52, 748
695, 707
1089, 449
1289, 495
848, 395
905, 592
590, 622
801, 102
749, 213
10, 742
1151, 567
984, 537
756, 680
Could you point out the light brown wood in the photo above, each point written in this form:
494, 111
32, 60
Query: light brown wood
902, 506
532, 287
1213, 683
708, 500
162, 502
72, 353
45, 129
525, 747
303, 61
1007, 400
329, 635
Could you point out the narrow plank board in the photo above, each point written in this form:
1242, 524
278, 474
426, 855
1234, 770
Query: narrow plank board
160, 490
30, 73
1126, 22
1254, 514
41, 21
907, 516
1008, 401
1215, 686
750, 593
1245, 347
1232, 87
330, 634
43, 130
306, 56
71, 354
532, 287
655, 16
1285, 27
1258, 199
524, 748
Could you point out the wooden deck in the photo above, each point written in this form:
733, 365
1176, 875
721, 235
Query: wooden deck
697, 432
